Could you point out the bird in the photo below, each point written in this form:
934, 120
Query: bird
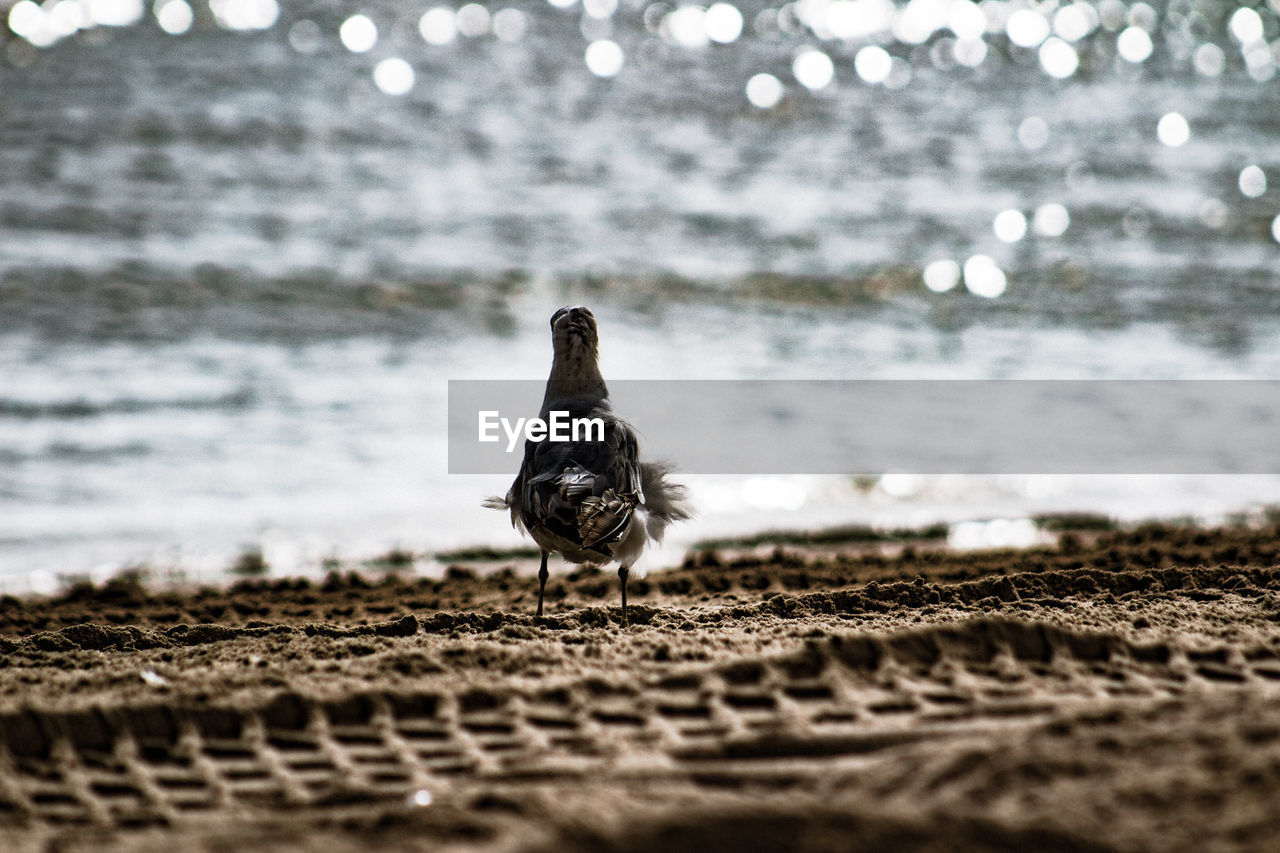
591, 501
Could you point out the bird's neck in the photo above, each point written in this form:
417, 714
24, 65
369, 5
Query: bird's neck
575, 372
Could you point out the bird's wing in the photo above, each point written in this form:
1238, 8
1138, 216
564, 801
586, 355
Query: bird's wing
585, 491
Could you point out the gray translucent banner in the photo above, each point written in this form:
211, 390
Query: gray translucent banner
915, 426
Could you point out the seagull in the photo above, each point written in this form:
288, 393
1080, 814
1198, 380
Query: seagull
590, 501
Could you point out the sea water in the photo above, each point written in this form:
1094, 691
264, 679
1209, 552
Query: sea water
240, 260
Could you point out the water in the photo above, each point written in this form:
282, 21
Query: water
235, 276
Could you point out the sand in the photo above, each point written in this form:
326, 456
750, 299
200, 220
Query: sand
1115, 691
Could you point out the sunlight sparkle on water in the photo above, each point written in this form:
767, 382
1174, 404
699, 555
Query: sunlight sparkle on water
1058, 58
1253, 181
920, 19
600, 8
1173, 130
393, 76
851, 19
245, 14
941, 276
1075, 21
723, 23
1259, 60
358, 34
1010, 226
1214, 213
970, 52
115, 13
174, 16
983, 277
1246, 25
437, 26
764, 91
1209, 60
1027, 28
687, 27
473, 20
1051, 220
510, 25
873, 63
1134, 45
966, 20
996, 533
1033, 133
604, 58
305, 37
813, 69
29, 21
66, 17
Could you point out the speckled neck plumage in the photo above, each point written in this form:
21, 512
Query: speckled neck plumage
575, 369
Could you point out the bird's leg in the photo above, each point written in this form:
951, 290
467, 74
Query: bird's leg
623, 573
542, 581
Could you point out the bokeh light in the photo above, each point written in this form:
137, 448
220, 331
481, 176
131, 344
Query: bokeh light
1214, 213
245, 14
983, 277
305, 37
970, 52
437, 26
1058, 58
604, 58
813, 69
1134, 45
1253, 181
358, 34
1209, 60
1173, 130
723, 22
1033, 133
473, 20
115, 13
873, 64
765, 91
687, 27
1275, 229
510, 25
966, 20
853, 19
393, 76
1245, 25
1027, 28
1010, 226
919, 20
600, 8
174, 16
941, 276
1075, 21
1051, 220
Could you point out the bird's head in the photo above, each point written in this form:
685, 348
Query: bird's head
573, 332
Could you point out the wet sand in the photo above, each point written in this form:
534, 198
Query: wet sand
1115, 691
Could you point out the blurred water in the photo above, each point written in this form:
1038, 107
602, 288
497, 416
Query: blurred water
235, 274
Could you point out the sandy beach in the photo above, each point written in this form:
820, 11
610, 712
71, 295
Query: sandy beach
1113, 691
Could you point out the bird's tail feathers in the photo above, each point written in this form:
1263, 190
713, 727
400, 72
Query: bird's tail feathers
665, 501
